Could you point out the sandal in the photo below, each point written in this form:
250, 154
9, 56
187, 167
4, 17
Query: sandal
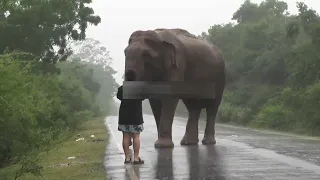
126, 162
140, 161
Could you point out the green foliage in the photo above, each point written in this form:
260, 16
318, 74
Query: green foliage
95, 56
28, 165
234, 114
38, 26
35, 109
250, 12
44, 92
272, 61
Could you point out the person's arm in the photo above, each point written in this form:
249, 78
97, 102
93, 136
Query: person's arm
119, 93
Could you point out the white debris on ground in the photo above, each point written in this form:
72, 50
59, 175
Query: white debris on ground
72, 157
80, 139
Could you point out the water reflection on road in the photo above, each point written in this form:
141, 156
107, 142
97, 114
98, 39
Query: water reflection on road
233, 157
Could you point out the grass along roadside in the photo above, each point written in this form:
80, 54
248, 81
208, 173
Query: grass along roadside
88, 154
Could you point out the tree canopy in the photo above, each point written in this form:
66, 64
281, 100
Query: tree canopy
46, 88
272, 60
38, 27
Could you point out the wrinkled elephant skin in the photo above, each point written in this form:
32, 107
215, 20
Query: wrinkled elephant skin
176, 55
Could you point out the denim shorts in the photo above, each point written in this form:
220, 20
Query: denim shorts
130, 128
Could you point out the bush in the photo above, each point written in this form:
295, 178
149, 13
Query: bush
232, 113
35, 109
274, 117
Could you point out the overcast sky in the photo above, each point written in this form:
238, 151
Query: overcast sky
121, 17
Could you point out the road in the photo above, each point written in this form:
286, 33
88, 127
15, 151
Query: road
240, 154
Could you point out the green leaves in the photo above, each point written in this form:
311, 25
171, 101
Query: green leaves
40, 95
95, 56
37, 26
252, 12
273, 63
36, 108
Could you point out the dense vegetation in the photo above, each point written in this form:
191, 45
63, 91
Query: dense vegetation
273, 65
45, 89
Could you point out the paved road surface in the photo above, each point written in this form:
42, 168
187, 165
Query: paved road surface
240, 154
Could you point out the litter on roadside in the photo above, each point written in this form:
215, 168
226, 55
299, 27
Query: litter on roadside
80, 139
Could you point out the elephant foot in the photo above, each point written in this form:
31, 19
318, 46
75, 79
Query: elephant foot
209, 140
164, 143
189, 141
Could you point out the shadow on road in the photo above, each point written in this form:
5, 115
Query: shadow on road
215, 163
164, 166
204, 162
194, 161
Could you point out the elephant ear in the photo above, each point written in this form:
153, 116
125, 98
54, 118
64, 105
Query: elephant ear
169, 42
170, 54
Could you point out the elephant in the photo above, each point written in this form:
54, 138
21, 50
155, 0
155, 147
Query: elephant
172, 55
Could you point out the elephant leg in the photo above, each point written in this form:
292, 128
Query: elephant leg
209, 133
165, 127
156, 109
191, 134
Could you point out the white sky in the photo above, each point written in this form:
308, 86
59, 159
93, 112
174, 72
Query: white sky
121, 17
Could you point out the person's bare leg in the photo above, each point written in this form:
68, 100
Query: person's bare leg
130, 143
136, 146
126, 138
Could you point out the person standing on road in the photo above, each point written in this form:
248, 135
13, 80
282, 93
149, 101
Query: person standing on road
131, 125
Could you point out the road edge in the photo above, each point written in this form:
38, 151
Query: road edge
264, 131
129, 168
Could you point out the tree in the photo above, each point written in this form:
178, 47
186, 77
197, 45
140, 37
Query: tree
94, 55
251, 12
37, 27
36, 105
272, 61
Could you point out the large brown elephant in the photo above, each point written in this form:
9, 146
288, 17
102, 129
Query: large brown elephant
177, 55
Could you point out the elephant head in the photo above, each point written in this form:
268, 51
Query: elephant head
149, 56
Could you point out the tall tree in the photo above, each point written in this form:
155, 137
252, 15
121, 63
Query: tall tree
272, 61
38, 26
92, 53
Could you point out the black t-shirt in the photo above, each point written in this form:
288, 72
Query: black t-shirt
130, 111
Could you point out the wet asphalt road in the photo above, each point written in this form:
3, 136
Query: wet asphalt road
240, 154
